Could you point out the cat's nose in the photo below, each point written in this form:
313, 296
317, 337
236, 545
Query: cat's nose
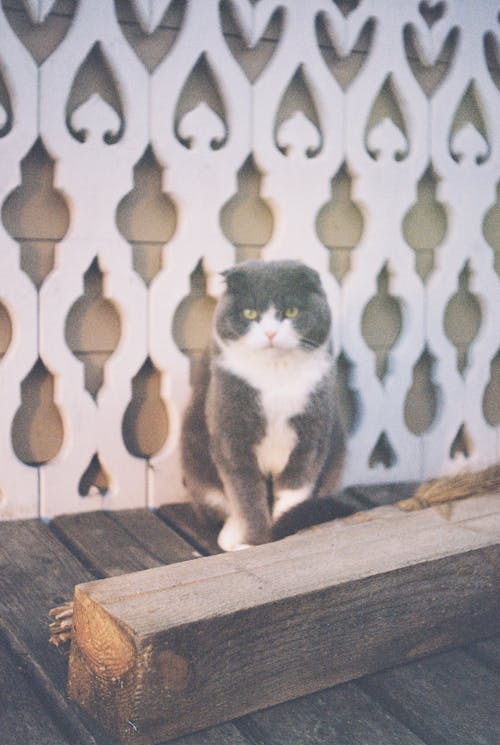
271, 334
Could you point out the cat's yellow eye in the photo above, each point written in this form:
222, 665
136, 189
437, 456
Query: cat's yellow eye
292, 312
250, 314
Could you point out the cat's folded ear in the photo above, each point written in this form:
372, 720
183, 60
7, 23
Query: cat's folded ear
235, 278
310, 279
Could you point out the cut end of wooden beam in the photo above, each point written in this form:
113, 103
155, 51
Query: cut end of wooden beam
105, 645
102, 664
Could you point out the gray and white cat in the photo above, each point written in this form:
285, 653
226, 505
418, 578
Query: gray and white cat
262, 433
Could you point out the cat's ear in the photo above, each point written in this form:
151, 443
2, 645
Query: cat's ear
235, 279
310, 279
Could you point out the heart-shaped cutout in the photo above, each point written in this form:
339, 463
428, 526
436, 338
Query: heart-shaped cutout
430, 73
252, 58
430, 12
154, 35
41, 29
344, 66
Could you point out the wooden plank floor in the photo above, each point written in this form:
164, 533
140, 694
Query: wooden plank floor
450, 698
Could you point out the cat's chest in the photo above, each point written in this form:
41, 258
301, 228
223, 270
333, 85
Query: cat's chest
284, 387
279, 406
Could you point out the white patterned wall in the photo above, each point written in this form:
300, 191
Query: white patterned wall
138, 137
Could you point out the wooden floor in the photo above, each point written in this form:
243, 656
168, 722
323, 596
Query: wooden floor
450, 697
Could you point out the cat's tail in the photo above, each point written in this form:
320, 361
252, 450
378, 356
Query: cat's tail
310, 513
437, 491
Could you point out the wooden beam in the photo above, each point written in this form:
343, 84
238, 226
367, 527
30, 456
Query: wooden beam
174, 649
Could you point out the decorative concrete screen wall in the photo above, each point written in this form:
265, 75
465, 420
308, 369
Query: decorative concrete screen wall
145, 145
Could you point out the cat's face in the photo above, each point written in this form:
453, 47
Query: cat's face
274, 306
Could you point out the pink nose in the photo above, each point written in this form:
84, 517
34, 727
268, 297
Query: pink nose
271, 334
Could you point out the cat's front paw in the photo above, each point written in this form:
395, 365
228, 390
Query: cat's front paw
231, 537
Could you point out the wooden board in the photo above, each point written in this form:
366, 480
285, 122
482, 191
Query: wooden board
488, 652
103, 543
39, 572
345, 719
28, 548
343, 715
23, 716
307, 717
200, 533
423, 707
184, 647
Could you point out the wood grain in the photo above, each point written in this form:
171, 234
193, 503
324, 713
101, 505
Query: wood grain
343, 715
103, 542
488, 652
24, 718
451, 682
230, 634
38, 573
201, 533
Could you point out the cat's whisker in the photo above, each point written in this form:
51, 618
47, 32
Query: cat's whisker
309, 343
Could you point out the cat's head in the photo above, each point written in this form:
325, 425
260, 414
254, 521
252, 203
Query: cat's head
273, 305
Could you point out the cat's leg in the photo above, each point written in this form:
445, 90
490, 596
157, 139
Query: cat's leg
297, 482
235, 424
331, 474
249, 521
314, 467
200, 475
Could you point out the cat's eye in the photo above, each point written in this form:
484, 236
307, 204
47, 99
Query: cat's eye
250, 314
292, 312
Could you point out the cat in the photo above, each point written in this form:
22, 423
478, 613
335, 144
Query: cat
262, 441
262, 433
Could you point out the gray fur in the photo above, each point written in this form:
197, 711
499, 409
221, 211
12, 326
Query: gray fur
226, 422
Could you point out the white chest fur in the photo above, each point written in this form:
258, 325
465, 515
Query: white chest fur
284, 382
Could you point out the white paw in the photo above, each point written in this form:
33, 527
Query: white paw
231, 537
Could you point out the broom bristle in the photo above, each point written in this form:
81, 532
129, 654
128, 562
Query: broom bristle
451, 488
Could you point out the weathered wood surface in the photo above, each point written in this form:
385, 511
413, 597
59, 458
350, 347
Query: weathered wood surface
268, 727
343, 715
345, 705
199, 532
234, 633
24, 719
104, 544
488, 652
423, 705
38, 572
98, 544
